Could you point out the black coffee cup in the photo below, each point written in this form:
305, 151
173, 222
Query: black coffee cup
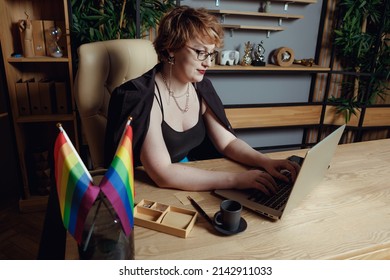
229, 216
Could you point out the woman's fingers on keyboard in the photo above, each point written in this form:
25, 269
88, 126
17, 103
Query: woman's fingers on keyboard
266, 183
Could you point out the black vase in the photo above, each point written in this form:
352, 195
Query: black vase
103, 236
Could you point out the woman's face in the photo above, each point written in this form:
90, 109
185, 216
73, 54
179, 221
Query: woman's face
188, 68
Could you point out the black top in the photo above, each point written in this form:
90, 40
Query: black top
180, 143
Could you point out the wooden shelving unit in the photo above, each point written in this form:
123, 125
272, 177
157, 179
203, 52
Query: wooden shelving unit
36, 133
268, 67
265, 116
312, 114
280, 17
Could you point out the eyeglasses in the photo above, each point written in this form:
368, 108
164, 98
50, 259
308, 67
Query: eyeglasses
202, 55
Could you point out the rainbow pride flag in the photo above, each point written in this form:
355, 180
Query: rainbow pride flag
76, 193
118, 182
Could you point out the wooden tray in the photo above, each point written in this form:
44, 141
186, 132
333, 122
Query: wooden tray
164, 218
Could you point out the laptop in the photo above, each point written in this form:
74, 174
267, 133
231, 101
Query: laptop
313, 168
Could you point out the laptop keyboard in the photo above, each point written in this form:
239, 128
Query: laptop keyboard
279, 199
275, 201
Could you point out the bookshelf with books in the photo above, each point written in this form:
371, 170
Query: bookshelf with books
36, 50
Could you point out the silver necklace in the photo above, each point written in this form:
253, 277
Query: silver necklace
172, 94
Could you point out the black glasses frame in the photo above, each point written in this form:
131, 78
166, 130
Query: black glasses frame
203, 55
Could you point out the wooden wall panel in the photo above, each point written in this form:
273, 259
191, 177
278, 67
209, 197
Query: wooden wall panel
262, 117
377, 117
334, 118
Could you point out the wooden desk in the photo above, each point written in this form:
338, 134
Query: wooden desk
346, 217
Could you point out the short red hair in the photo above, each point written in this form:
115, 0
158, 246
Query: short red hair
183, 24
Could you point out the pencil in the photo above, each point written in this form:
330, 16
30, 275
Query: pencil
200, 210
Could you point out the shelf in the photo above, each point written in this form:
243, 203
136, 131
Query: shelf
269, 67
252, 27
278, 16
256, 14
297, 1
217, 2
249, 27
37, 59
45, 118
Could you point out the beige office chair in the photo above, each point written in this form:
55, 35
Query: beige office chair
102, 67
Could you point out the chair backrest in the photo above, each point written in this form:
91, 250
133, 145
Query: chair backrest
103, 66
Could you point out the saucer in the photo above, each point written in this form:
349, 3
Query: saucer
241, 228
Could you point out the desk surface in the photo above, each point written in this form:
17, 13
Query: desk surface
346, 216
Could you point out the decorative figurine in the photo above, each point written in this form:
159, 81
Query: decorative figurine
261, 7
229, 57
247, 58
305, 61
259, 55
267, 7
25, 28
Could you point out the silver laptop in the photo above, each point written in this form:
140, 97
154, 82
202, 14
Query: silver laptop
313, 169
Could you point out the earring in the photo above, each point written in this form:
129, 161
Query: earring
171, 63
171, 60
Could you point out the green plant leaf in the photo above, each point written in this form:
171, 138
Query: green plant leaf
104, 19
361, 52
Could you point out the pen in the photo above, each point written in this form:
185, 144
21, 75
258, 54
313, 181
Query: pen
200, 210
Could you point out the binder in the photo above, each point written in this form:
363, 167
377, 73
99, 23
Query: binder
22, 98
61, 98
35, 103
38, 38
46, 89
47, 24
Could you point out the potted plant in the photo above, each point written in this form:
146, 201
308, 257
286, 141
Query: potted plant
362, 46
99, 20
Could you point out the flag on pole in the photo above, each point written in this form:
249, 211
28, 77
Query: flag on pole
118, 182
76, 193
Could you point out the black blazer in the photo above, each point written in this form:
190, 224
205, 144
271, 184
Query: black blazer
135, 98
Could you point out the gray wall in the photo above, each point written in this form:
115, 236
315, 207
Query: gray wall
299, 34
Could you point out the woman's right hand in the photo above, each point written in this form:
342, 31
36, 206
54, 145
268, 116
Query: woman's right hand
256, 179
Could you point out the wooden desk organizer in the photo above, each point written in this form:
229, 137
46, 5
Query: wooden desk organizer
165, 218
